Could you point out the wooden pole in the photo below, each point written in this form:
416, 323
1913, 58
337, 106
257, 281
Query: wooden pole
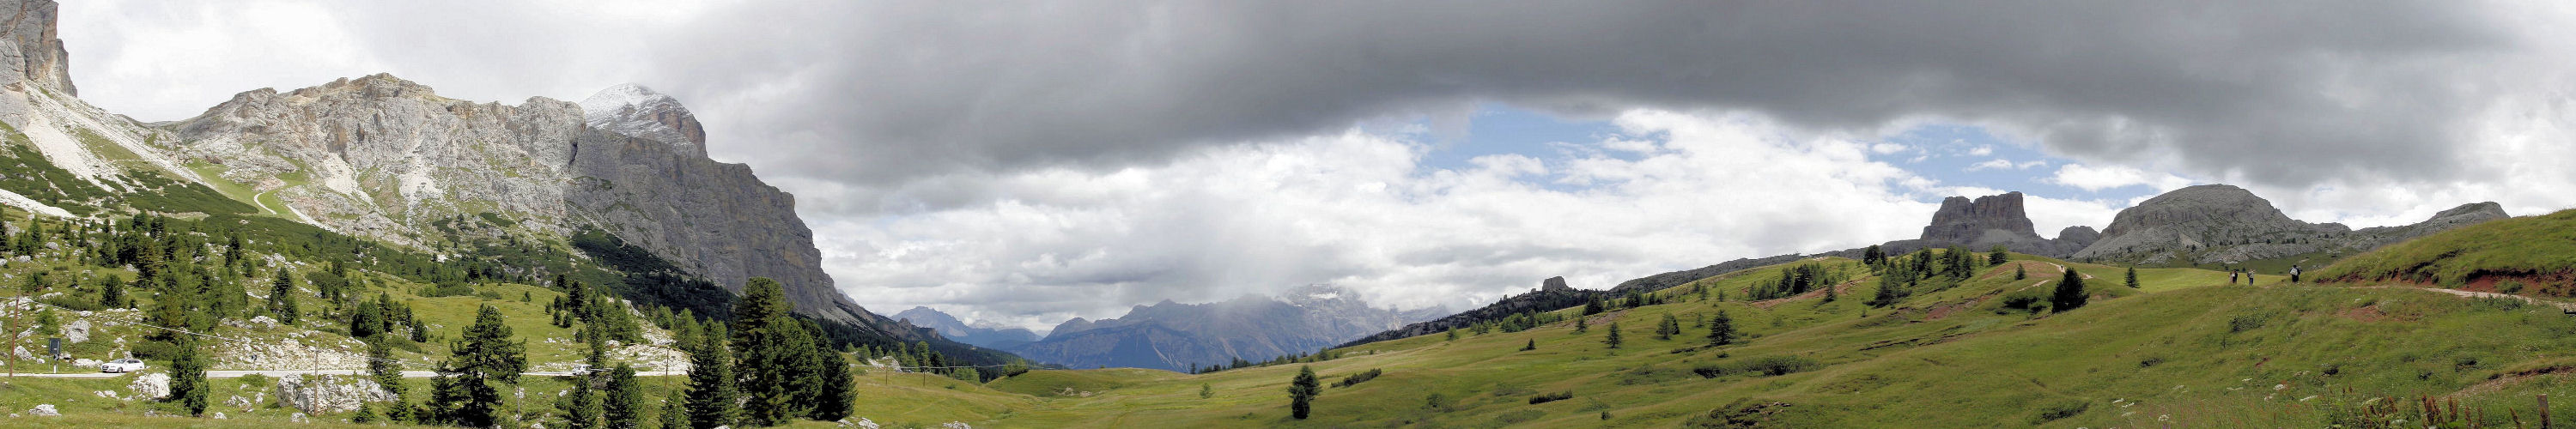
2544, 411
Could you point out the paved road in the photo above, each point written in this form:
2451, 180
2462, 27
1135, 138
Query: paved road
237, 374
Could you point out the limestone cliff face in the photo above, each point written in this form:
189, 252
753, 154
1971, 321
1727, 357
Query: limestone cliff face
1984, 222
386, 158
30, 52
2222, 224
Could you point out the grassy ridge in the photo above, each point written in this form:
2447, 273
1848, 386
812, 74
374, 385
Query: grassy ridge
2183, 349
2527, 246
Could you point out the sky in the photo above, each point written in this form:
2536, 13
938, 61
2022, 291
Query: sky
1026, 163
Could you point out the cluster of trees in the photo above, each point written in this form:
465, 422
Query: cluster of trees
1798, 280
1321, 355
765, 367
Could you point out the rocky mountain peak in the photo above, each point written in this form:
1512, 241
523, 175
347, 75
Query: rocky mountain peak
2225, 224
639, 112
1962, 220
29, 50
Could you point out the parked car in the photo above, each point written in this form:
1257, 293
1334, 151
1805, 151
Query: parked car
121, 365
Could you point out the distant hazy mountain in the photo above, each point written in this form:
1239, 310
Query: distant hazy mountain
979, 334
1170, 335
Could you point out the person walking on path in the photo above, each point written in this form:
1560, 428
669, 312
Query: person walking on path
2231, 277
2294, 274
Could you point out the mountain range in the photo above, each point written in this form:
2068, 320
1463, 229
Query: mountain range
390, 160
1176, 336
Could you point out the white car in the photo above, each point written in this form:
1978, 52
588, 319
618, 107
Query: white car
121, 365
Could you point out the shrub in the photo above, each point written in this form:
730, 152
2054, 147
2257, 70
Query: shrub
2059, 410
1551, 397
1775, 365
2027, 300
2247, 322
1357, 378
2509, 286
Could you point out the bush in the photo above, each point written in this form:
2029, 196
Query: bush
1551, 397
2509, 286
75, 304
1767, 366
2059, 410
2246, 322
449, 289
1357, 378
2027, 300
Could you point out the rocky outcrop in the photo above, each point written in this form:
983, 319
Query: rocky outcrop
1987, 218
150, 386
1983, 223
327, 393
1173, 336
634, 110
30, 52
2223, 224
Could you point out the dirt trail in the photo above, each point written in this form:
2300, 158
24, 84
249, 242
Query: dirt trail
2062, 268
2562, 306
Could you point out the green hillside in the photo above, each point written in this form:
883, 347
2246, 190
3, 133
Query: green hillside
2183, 349
2539, 251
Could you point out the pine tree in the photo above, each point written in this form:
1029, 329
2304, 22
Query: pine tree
1999, 255
624, 408
188, 377
1582, 324
2133, 277
1613, 339
1206, 391
711, 388
1453, 334
380, 363
111, 293
485, 355
765, 338
2019, 274
1669, 326
1721, 330
675, 412
2070, 292
1302, 391
1533, 345
580, 409
1592, 307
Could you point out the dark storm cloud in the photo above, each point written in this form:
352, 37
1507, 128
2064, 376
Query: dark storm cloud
889, 91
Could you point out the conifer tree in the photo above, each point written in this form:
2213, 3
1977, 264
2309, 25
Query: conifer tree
366, 322
2133, 277
2070, 292
763, 340
1613, 339
840, 386
188, 377
485, 355
380, 363
1302, 391
624, 407
1206, 391
1669, 326
1453, 334
2019, 273
675, 412
1533, 345
711, 388
1582, 324
1721, 330
1998, 256
580, 408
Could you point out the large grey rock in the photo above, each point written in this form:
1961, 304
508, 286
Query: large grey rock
327, 393
1983, 223
2223, 224
150, 386
44, 410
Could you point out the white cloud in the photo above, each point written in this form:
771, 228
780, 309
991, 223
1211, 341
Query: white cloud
2097, 179
1886, 148
1993, 164
1982, 150
1360, 210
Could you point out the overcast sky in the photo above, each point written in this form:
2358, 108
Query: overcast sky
1025, 163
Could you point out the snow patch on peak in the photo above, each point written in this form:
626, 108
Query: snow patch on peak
636, 111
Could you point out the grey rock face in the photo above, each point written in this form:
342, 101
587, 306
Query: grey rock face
30, 52
1962, 220
150, 386
2222, 224
385, 158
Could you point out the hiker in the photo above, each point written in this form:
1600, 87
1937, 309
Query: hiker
2294, 274
2231, 277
